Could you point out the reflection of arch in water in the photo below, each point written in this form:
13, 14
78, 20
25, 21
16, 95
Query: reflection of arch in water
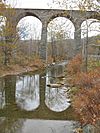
27, 92
56, 99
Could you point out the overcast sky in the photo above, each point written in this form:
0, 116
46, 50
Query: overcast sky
43, 3
30, 3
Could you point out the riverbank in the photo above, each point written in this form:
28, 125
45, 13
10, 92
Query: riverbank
16, 69
32, 66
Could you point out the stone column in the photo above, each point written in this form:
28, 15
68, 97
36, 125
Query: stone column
43, 43
77, 37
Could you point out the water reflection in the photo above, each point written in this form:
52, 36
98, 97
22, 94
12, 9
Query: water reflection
8, 125
21, 95
2, 94
27, 92
56, 98
48, 126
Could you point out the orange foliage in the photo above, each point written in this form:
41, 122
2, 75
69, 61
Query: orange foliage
87, 100
75, 65
87, 80
87, 104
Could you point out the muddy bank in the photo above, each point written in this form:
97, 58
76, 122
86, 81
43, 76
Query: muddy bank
17, 69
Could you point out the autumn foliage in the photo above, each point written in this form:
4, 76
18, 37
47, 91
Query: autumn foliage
87, 105
86, 101
75, 65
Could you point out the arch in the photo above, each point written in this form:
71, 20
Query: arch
31, 26
93, 15
60, 38
91, 26
60, 21
55, 97
25, 14
61, 14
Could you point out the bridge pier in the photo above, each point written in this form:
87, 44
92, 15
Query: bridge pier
43, 44
77, 37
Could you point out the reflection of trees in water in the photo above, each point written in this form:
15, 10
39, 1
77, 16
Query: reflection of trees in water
11, 125
27, 92
2, 93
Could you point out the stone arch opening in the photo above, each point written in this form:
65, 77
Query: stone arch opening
33, 27
29, 31
60, 38
90, 32
25, 14
63, 14
55, 97
90, 27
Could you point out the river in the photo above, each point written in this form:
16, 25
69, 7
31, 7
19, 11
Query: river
29, 105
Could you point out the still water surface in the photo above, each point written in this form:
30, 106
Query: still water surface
28, 105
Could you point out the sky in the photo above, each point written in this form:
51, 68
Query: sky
44, 3
35, 23
30, 3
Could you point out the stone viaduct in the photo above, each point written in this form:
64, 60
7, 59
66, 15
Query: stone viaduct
46, 15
